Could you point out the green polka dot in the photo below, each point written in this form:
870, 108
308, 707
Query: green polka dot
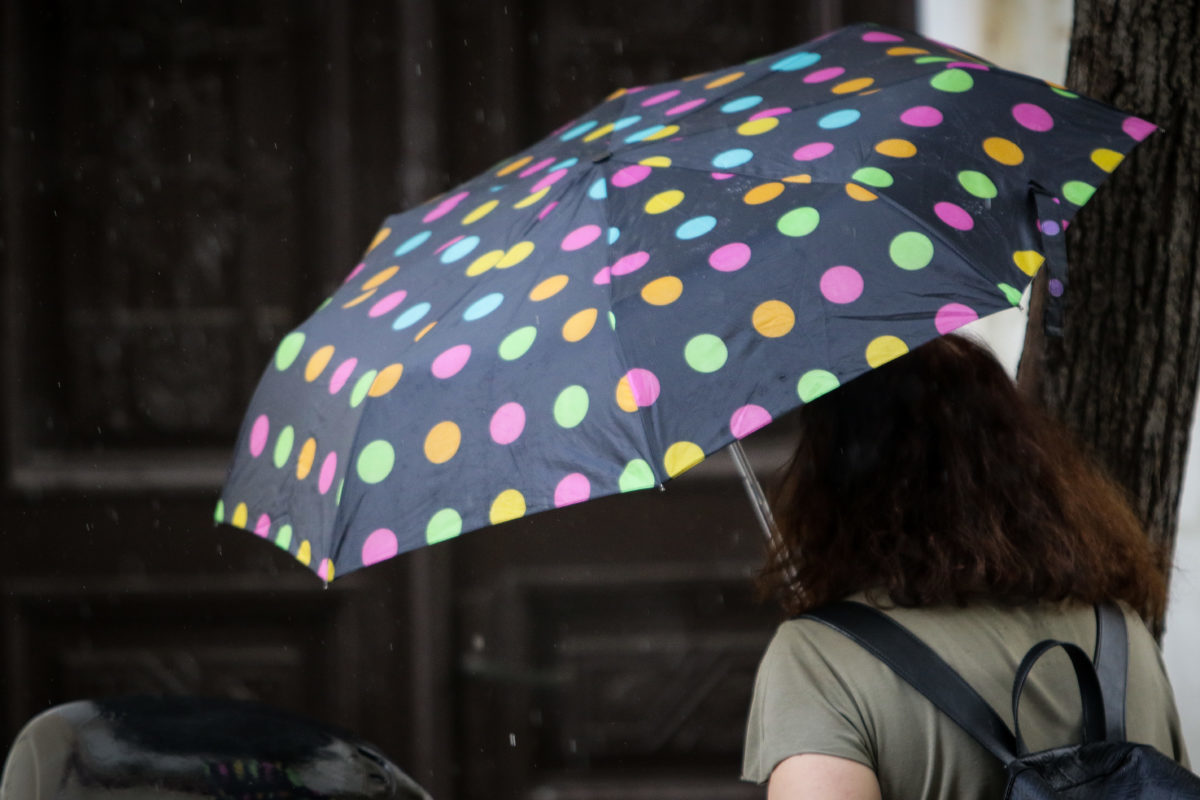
931, 60
612, 320
283, 446
799, 221
571, 406
1012, 293
1063, 92
361, 387
977, 184
337, 501
873, 176
952, 80
636, 475
815, 383
288, 349
324, 303
517, 343
375, 461
445, 524
219, 512
911, 250
705, 353
283, 537
1078, 192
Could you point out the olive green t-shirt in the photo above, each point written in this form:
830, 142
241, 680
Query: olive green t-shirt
819, 692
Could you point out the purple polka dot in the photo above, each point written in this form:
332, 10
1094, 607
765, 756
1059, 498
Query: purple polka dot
922, 117
388, 303
953, 316
549, 207
354, 272
683, 108
722, 176
342, 374
1035, 118
325, 569
730, 257
1050, 227
263, 526
507, 423
581, 237
747, 419
975, 65
954, 215
841, 284
603, 277
661, 97
379, 546
575, 488
821, 75
880, 36
328, 472
1056, 287
628, 176
644, 386
536, 167
811, 152
258, 435
630, 263
778, 111
1138, 128
548, 180
451, 362
445, 207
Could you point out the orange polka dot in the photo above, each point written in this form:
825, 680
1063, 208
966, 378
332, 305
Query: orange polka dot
514, 166
763, 193
579, 325
380, 278
386, 380
859, 193
317, 363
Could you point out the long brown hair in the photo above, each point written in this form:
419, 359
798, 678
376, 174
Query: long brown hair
931, 481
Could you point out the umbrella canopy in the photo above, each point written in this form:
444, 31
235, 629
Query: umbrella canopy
657, 279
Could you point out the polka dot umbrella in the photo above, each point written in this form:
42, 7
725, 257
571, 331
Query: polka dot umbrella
655, 280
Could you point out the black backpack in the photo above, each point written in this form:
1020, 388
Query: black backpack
1103, 767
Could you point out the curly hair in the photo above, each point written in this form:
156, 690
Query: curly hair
932, 481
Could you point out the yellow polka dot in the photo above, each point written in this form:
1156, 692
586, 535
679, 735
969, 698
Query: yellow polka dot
441, 443
723, 80
328, 571
603, 130
655, 161
421, 333
533, 198
883, 349
509, 504
896, 148
681, 457
615, 94
695, 76
514, 166
1106, 159
240, 514
380, 278
1003, 150
304, 553
386, 380
763, 193
624, 395
304, 461
662, 291
1028, 261
773, 319
756, 126
480, 212
359, 299
379, 237
664, 201
484, 263
803, 177
867, 92
515, 255
857, 84
859, 193
906, 51
548, 288
662, 133
579, 325
317, 363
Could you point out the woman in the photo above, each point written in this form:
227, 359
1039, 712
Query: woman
930, 488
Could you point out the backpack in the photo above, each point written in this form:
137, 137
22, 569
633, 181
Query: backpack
1103, 767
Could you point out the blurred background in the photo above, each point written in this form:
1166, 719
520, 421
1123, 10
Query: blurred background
185, 181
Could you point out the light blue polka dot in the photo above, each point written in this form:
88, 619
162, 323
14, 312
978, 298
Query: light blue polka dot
459, 249
411, 316
613, 234
566, 163
696, 227
839, 119
578, 130
483, 306
413, 242
637, 136
625, 122
598, 190
796, 61
495, 188
741, 104
732, 158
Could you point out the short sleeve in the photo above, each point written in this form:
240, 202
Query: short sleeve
800, 705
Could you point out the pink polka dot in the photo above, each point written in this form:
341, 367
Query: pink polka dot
342, 374
747, 419
263, 526
388, 303
722, 176
379, 546
258, 435
811, 152
630, 263
325, 569
328, 472
603, 277
953, 215
507, 423
922, 117
455, 240
644, 386
354, 272
581, 237
880, 36
445, 207
575, 488
778, 111
1138, 128
730, 257
821, 75
628, 176
548, 180
549, 207
451, 362
1035, 118
975, 65
661, 97
841, 284
635, 89
953, 316
684, 107
536, 167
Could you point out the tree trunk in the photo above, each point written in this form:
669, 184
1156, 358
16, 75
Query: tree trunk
1124, 374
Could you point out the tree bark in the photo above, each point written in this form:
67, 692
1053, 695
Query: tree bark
1124, 374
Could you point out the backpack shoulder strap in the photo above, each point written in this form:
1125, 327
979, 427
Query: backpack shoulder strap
923, 669
1112, 664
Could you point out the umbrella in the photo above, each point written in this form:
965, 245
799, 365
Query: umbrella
657, 279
